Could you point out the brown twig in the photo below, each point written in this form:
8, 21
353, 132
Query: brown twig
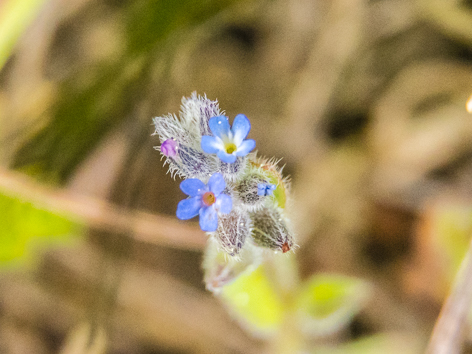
449, 331
140, 225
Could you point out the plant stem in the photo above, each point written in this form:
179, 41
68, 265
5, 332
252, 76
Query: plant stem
449, 331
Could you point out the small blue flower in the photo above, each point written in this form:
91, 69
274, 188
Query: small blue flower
228, 143
265, 189
206, 200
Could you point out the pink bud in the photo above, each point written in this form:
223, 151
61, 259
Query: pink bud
169, 148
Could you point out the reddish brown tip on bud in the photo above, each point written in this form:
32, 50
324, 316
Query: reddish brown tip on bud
285, 247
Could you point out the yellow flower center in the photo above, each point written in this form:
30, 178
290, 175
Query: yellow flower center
230, 148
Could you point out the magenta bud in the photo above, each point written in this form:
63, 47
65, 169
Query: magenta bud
169, 148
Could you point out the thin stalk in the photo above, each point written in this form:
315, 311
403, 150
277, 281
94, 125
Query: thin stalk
102, 215
449, 331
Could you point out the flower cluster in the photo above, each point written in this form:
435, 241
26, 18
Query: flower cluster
239, 198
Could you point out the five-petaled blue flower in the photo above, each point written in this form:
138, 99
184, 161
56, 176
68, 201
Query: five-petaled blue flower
206, 200
228, 143
265, 189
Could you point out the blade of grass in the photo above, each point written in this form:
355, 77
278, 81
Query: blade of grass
449, 332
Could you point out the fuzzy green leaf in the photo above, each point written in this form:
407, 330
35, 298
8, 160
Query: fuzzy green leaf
327, 302
25, 227
253, 301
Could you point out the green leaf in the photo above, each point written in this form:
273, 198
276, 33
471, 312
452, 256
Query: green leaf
220, 270
25, 227
327, 302
252, 300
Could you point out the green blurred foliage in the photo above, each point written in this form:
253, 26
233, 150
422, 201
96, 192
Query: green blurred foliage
83, 114
253, 300
322, 304
326, 302
25, 228
451, 236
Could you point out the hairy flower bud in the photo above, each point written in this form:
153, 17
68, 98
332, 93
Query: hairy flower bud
247, 190
233, 229
169, 127
195, 164
269, 230
197, 111
169, 148
233, 171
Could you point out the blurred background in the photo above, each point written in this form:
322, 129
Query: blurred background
365, 101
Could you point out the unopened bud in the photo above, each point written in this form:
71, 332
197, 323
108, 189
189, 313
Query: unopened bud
169, 148
232, 171
197, 111
233, 229
195, 164
248, 191
269, 230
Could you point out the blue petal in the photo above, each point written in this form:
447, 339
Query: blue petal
225, 157
261, 189
270, 189
188, 208
208, 219
246, 147
217, 183
192, 187
211, 145
240, 129
225, 204
219, 126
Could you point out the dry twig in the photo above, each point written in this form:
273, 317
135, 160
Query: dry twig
141, 226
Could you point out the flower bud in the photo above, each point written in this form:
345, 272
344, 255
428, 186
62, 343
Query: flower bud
248, 191
195, 164
269, 230
197, 111
169, 148
233, 171
233, 228
169, 127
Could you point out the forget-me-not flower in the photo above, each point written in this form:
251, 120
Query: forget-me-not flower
265, 189
206, 200
228, 143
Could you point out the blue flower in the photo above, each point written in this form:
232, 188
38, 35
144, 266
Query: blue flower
206, 200
228, 143
265, 189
